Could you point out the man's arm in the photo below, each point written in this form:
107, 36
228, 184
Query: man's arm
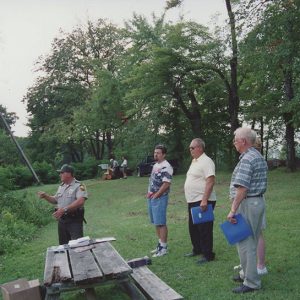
161, 190
69, 208
209, 184
241, 193
49, 198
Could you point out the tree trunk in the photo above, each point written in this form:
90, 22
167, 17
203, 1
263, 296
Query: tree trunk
109, 143
289, 130
193, 114
290, 146
93, 148
233, 98
98, 145
103, 146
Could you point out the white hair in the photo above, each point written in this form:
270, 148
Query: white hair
246, 133
200, 143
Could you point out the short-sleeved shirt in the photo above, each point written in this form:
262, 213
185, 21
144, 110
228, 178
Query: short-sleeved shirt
161, 172
251, 173
68, 193
124, 163
200, 169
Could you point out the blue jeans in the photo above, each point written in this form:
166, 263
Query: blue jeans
157, 209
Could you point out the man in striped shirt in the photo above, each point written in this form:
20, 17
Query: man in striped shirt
248, 184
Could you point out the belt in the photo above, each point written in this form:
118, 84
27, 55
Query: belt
253, 196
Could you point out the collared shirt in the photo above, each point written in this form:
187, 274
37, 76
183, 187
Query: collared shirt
161, 172
200, 169
68, 193
251, 173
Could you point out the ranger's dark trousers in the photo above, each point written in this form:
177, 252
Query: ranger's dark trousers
69, 230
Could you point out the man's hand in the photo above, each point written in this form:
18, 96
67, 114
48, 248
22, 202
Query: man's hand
42, 195
59, 213
203, 205
231, 218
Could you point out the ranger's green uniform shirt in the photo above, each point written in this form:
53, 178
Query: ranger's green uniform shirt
68, 193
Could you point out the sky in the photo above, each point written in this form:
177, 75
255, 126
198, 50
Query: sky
28, 27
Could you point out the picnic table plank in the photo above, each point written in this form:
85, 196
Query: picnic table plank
56, 268
153, 286
84, 267
110, 261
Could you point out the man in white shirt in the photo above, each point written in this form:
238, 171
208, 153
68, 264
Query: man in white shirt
198, 189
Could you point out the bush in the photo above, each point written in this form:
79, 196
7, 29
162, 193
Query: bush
5, 179
13, 232
19, 219
86, 170
21, 176
46, 172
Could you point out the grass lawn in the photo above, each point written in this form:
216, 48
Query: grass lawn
118, 208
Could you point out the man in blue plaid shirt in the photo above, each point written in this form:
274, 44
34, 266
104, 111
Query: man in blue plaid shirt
248, 184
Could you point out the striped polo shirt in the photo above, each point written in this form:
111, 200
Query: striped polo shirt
251, 173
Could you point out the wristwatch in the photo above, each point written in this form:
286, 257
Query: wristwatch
65, 210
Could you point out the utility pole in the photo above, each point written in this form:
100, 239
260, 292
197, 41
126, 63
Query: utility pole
19, 149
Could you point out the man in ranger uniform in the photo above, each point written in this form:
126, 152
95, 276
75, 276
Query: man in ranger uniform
69, 200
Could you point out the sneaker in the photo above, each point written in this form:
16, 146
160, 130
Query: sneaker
156, 249
238, 267
160, 252
262, 271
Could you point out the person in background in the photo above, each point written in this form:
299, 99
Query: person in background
198, 189
124, 166
158, 196
247, 186
115, 168
261, 249
69, 200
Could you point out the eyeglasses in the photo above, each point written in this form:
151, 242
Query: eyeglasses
237, 140
192, 148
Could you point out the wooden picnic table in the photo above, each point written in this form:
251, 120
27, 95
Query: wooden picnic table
85, 267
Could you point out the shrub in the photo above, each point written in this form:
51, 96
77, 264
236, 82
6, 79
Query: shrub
19, 219
86, 170
5, 179
13, 232
46, 172
21, 176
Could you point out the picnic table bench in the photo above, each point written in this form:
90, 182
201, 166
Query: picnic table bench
96, 264
152, 286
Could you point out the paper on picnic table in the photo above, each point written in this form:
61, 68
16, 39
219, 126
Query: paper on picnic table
85, 241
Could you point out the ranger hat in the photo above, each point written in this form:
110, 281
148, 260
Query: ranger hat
66, 168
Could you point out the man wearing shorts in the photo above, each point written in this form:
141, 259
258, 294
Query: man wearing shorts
157, 196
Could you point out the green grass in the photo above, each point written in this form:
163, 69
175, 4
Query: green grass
118, 208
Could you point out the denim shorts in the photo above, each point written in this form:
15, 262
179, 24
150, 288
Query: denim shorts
157, 209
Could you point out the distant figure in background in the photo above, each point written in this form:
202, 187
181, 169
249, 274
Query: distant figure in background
158, 196
124, 166
261, 264
69, 199
115, 169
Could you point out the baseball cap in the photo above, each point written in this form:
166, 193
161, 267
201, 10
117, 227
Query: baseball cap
66, 168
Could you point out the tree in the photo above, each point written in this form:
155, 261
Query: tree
272, 50
66, 87
173, 75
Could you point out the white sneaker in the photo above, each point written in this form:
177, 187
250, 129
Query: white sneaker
263, 271
156, 249
160, 252
238, 267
